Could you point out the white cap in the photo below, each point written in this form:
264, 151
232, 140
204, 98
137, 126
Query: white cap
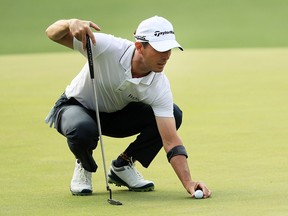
158, 32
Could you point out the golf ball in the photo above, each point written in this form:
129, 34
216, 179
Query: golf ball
198, 194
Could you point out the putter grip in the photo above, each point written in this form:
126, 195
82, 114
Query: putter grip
89, 56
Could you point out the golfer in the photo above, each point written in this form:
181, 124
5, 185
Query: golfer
134, 98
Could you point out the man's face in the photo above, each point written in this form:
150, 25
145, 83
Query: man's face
154, 60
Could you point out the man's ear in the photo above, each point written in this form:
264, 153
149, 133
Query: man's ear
138, 45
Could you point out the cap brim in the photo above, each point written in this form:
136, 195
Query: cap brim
163, 46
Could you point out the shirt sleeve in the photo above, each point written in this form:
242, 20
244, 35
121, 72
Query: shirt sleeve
102, 43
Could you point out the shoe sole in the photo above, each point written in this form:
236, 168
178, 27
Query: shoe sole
84, 192
114, 179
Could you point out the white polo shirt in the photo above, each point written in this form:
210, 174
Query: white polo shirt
115, 86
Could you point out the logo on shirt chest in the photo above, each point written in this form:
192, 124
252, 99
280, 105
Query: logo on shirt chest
134, 98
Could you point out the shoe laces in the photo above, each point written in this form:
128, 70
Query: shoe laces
84, 175
132, 165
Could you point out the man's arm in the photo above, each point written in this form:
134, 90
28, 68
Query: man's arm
170, 138
63, 31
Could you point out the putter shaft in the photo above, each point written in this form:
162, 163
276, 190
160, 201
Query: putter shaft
91, 68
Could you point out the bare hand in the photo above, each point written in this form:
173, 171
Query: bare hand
199, 186
80, 28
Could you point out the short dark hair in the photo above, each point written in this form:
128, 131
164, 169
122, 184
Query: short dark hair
144, 44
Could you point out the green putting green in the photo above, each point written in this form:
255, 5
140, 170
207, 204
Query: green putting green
235, 130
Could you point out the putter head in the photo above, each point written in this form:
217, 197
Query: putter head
110, 200
114, 202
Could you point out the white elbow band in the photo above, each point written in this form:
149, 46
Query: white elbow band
177, 150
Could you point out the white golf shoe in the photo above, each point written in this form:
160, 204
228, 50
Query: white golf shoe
81, 183
128, 176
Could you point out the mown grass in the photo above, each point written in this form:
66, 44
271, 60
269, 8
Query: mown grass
235, 130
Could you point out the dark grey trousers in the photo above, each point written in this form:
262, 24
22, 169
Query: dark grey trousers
79, 126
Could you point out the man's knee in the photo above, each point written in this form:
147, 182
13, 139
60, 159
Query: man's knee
177, 116
78, 127
82, 140
84, 133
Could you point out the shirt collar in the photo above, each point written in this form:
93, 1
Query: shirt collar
125, 61
126, 58
146, 80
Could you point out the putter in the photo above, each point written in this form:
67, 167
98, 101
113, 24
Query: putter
91, 68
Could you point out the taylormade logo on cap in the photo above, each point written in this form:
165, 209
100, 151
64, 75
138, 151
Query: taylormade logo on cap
158, 32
